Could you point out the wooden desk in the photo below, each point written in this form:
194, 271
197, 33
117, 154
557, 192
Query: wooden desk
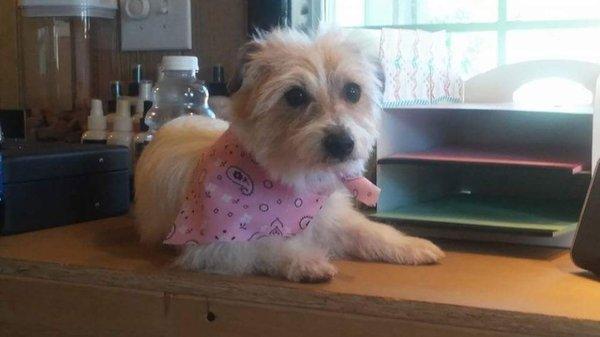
92, 279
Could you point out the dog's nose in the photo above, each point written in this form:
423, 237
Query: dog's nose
338, 143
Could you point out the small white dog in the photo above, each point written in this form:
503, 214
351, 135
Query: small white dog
305, 109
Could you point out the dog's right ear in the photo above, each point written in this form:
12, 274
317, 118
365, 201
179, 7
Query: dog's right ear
244, 56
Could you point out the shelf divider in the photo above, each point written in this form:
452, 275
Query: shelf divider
536, 217
495, 156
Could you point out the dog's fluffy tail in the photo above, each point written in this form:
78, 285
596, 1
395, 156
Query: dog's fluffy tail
164, 170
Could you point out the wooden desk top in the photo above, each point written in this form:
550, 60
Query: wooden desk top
496, 287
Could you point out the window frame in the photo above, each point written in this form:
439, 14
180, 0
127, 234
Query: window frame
501, 26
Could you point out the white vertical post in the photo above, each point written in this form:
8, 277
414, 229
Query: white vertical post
596, 126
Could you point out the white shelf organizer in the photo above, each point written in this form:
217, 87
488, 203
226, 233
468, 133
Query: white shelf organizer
488, 169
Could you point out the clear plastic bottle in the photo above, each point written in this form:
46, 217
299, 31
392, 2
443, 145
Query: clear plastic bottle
177, 92
96, 125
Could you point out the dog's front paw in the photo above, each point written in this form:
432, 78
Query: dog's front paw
310, 269
412, 251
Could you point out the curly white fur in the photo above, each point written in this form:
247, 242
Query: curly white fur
278, 136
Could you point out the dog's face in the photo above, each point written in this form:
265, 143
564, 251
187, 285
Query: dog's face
307, 105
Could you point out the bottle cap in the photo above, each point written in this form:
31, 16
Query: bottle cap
122, 119
180, 63
96, 119
96, 107
146, 91
123, 107
115, 89
106, 9
218, 74
136, 73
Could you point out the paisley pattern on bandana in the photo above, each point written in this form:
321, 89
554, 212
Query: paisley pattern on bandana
232, 198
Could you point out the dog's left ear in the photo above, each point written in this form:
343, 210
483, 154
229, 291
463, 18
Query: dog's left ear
365, 43
244, 56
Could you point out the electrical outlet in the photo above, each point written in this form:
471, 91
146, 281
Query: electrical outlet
156, 24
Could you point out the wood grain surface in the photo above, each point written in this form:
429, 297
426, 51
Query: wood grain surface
490, 288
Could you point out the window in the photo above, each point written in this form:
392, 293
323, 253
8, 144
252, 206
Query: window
553, 91
487, 33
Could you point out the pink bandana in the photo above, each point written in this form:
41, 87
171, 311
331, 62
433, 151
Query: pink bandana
232, 198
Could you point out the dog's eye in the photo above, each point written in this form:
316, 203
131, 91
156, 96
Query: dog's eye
352, 92
296, 97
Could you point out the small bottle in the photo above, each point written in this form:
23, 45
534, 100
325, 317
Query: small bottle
144, 103
218, 101
121, 133
136, 77
96, 125
115, 92
115, 95
218, 87
141, 139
